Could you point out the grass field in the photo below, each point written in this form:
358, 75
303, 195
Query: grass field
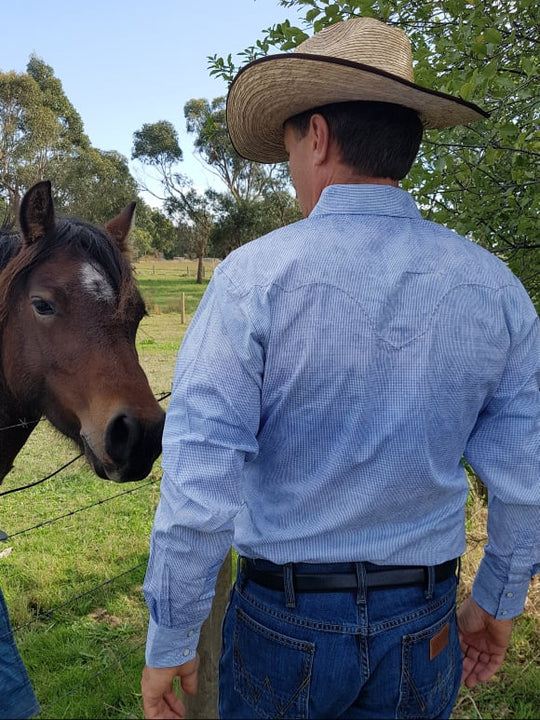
73, 566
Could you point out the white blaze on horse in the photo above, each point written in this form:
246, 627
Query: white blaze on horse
69, 313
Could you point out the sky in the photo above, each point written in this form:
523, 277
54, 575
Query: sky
123, 63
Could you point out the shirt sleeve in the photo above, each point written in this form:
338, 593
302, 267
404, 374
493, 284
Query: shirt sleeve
504, 450
210, 431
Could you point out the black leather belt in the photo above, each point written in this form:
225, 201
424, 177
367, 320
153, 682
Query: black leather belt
345, 581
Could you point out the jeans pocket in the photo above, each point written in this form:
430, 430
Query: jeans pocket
431, 669
272, 671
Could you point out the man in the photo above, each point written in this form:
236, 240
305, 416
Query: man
335, 374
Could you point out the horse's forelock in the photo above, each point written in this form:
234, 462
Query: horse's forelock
88, 242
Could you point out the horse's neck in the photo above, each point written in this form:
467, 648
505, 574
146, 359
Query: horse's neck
15, 428
14, 431
11, 443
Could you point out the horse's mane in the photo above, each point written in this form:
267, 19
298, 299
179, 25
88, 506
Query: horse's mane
9, 245
17, 259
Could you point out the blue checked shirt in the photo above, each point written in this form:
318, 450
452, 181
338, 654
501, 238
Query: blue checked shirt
334, 376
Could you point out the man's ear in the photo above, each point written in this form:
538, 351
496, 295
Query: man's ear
320, 138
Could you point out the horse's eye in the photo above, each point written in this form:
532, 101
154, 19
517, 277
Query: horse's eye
42, 307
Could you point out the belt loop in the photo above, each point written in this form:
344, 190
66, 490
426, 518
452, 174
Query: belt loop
430, 584
361, 590
240, 565
288, 585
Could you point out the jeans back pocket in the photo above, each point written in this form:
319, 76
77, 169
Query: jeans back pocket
431, 669
272, 671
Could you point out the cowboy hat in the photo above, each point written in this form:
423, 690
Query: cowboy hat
357, 59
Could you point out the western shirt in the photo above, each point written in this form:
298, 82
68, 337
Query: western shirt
335, 376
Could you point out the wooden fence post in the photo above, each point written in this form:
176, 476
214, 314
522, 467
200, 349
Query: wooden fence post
204, 706
182, 308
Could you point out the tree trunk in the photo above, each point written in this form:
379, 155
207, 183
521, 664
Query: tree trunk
204, 706
200, 270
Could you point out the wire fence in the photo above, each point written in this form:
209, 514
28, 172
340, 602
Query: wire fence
52, 613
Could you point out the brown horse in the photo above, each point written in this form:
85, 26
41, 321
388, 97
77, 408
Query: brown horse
69, 313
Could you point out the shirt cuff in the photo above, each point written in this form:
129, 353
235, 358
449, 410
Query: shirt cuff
169, 647
500, 593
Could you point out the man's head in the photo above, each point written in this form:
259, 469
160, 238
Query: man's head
360, 59
377, 140
355, 142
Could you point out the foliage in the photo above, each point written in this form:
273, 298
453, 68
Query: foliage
154, 233
244, 179
53, 97
41, 136
480, 180
156, 145
255, 201
23, 123
240, 221
94, 184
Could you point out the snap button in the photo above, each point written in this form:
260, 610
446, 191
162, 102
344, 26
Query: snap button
185, 653
191, 633
509, 594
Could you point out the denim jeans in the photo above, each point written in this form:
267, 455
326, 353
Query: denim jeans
17, 699
375, 653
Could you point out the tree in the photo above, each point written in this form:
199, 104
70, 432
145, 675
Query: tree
41, 136
239, 221
71, 133
245, 180
94, 184
24, 123
480, 180
156, 145
155, 232
257, 200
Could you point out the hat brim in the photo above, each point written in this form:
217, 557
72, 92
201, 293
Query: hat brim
272, 89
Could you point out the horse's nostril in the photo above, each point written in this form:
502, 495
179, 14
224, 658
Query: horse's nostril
123, 433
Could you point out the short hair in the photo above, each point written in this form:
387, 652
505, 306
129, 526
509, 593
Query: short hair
377, 139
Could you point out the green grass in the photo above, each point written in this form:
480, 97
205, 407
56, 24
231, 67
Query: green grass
85, 657
162, 284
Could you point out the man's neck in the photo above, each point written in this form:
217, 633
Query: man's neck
344, 175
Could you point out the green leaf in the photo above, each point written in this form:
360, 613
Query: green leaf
492, 35
312, 14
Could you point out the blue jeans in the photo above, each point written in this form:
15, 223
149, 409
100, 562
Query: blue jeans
17, 699
375, 653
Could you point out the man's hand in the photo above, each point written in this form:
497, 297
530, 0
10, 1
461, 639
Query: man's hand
484, 641
159, 697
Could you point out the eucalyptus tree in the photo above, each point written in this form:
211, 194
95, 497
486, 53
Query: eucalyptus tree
244, 179
42, 137
156, 145
25, 127
257, 199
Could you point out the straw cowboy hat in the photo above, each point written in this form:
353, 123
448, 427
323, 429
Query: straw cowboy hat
357, 59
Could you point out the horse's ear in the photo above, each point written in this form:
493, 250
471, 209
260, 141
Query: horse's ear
119, 227
36, 215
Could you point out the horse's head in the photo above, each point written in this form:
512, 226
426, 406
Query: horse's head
69, 313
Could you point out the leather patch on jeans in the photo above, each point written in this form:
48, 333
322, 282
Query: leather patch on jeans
438, 642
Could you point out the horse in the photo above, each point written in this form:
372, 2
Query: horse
69, 313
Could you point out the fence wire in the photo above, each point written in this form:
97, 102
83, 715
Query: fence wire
49, 613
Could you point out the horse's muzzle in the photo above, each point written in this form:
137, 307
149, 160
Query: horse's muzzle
132, 445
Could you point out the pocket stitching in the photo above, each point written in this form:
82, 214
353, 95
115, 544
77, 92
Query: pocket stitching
242, 670
410, 688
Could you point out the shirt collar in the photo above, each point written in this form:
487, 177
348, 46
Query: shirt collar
366, 200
